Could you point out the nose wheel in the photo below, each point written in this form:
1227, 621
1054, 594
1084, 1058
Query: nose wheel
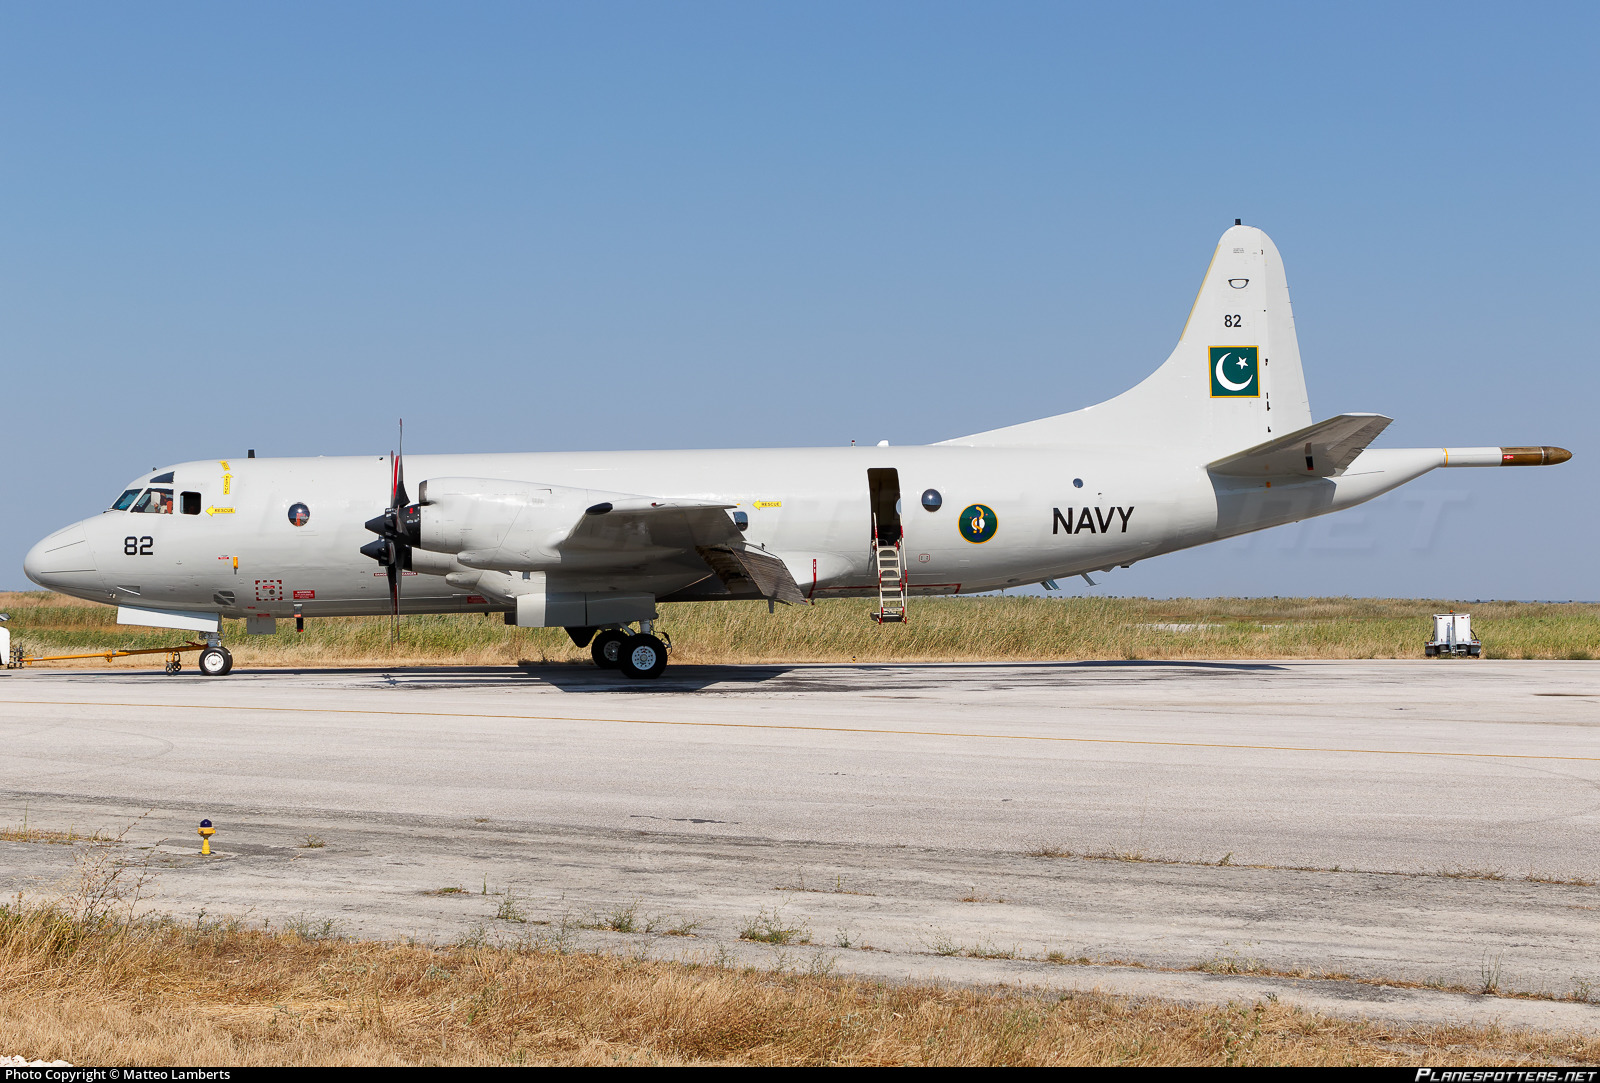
215, 662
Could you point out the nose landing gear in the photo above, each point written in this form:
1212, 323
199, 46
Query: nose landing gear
215, 661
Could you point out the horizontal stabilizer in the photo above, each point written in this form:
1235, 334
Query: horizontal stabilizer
1322, 450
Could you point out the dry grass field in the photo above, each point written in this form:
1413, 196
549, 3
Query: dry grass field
1003, 628
80, 982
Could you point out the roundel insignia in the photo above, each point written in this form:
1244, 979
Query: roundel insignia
978, 523
299, 515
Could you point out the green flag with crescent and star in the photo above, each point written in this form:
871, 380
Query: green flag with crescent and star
1234, 372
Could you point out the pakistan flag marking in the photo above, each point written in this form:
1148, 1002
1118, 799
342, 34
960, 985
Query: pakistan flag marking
1234, 372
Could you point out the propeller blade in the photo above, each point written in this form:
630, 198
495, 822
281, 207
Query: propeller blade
394, 598
398, 494
396, 532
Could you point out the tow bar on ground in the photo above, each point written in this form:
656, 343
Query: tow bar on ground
16, 659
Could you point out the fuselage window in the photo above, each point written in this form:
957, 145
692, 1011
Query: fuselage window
155, 502
191, 503
125, 501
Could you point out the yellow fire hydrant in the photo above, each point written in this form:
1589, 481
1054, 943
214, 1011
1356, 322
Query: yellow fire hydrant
206, 831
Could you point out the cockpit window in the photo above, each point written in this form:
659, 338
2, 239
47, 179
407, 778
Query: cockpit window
155, 502
125, 501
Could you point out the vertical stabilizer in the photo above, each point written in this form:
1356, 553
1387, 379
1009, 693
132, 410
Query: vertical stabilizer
1234, 380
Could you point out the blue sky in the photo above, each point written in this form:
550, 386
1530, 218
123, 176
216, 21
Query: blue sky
597, 225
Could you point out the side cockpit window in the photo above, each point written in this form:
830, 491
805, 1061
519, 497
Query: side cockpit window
155, 502
191, 503
125, 501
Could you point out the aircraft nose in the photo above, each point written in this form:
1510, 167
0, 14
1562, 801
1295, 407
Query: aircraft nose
61, 561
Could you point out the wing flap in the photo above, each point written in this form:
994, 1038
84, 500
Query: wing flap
769, 574
1323, 450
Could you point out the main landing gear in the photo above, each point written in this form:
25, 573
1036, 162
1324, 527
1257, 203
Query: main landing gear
640, 655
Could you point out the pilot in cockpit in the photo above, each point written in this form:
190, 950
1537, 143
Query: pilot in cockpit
155, 502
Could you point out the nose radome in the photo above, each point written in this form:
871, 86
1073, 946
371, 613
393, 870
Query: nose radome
59, 556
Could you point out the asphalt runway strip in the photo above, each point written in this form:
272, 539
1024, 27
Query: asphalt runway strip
812, 729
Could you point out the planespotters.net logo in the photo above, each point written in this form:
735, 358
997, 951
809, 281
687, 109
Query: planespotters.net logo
1506, 1075
1234, 372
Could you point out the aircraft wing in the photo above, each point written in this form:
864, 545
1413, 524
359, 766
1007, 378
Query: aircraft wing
517, 526
1322, 450
637, 525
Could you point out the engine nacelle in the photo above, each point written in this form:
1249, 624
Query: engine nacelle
489, 522
494, 524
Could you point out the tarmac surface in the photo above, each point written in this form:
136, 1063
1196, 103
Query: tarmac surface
1214, 824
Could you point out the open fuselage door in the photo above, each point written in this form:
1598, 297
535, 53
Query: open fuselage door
887, 554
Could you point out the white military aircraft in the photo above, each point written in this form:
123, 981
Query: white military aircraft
1218, 441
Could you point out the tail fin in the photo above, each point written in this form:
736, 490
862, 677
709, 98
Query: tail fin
1233, 382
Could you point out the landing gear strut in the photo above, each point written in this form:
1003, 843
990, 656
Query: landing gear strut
641, 655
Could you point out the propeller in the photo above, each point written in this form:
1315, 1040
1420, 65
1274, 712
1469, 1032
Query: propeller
397, 530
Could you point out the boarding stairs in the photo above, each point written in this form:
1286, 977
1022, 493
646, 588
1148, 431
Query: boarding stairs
888, 558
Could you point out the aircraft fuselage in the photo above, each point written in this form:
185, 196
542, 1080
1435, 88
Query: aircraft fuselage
273, 534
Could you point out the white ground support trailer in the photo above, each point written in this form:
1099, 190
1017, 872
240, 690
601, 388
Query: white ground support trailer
1452, 636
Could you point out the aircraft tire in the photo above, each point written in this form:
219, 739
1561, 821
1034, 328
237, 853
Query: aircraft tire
606, 648
642, 657
215, 662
